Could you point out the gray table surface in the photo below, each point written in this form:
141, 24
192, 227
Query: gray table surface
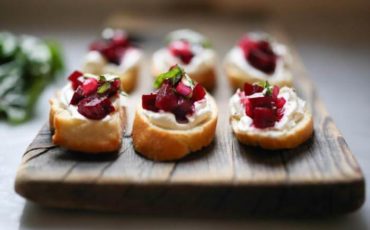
336, 53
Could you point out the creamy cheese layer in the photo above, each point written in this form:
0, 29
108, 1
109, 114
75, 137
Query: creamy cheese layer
204, 59
236, 59
202, 112
294, 110
96, 63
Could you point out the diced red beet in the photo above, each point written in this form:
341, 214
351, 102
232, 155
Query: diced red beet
246, 44
275, 91
114, 87
264, 117
198, 93
89, 86
76, 74
112, 49
248, 107
111, 54
257, 88
248, 89
148, 102
77, 96
166, 98
182, 50
262, 61
75, 79
280, 102
184, 107
95, 108
77, 83
266, 101
265, 47
259, 54
183, 89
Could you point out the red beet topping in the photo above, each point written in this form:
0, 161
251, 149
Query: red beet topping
169, 99
148, 102
183, 89
198, 93
92, 96
75, 79
264, 110
95, 108
112, 48
89, 86
182, 50
259, 54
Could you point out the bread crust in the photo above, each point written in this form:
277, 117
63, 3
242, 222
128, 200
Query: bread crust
289, 140
237, 78
207, 77
84, 135
161, 144
129, 79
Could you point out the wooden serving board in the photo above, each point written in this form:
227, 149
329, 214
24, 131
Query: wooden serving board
321, 177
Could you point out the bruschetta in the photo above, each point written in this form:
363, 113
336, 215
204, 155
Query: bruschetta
193, 52
180, 117
88, 114
270, 117
258, 57
114, 54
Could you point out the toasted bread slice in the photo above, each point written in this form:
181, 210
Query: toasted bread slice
161, 144
207, 77
237, 78
85, 135
278, 140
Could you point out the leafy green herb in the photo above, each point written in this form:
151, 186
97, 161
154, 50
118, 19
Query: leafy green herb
102, 78
27, 66
104, 87
267, 87
174, 74
207, 44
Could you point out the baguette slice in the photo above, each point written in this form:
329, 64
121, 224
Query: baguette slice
85, 135
161, 144
284, 140
237, 78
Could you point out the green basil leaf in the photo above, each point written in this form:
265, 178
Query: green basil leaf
175, 74
104, 87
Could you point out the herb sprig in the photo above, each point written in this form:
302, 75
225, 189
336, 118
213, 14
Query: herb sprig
174, 75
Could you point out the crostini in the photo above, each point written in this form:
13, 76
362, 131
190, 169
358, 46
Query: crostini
180, 117
192, 51
269, 117
114, 54
88, 114
258, 57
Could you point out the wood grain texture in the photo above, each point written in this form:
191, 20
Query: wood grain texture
321, 177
